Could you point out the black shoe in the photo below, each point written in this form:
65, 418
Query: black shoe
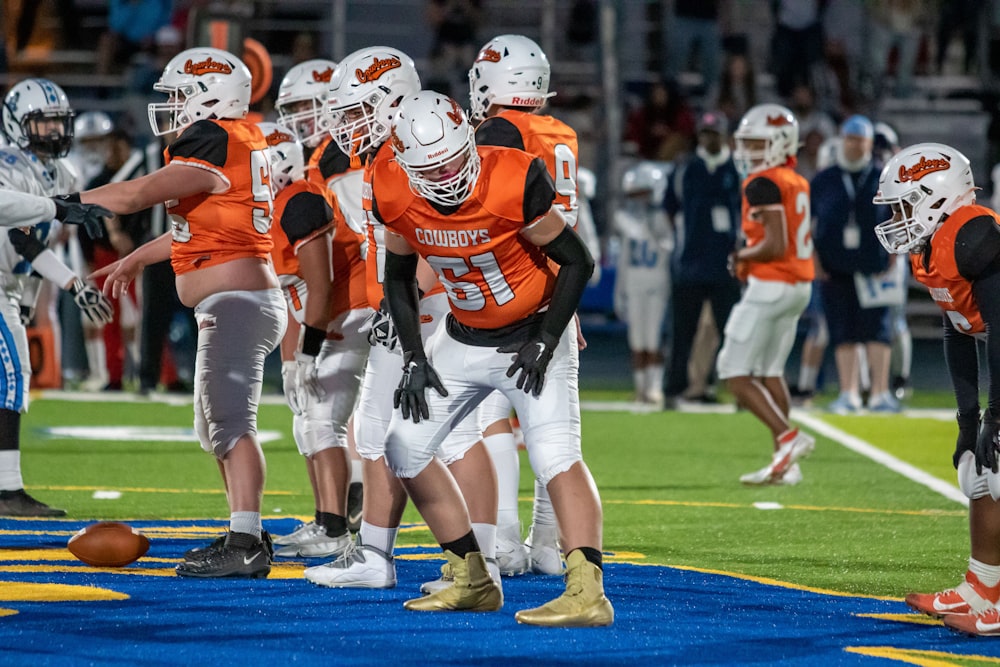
19, 503
242, 555
200, 553
355, 496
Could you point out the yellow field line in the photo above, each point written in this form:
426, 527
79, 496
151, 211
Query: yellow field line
148, 490
803, 508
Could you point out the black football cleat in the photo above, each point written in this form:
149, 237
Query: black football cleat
200, 553
19, 503
241, 555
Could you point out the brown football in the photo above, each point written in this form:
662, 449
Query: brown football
108, 544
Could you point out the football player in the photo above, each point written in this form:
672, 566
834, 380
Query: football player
954, 250
777, 265
301, 107
514, 272
38, 124
216, 185
322, 366
364, 95
508, 86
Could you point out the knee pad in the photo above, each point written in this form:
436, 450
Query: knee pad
973, 485
314, 435
551, 451
404, 462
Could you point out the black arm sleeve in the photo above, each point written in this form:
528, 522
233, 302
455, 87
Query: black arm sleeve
963, 366
762, 191
203, 140
25, 245
499, 132
575, 268
986, 291
401, 298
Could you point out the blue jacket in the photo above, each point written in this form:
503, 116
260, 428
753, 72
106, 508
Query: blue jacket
832, 206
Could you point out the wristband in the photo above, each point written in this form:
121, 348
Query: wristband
312, 340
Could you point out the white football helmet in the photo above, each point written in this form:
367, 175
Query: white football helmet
510, 70
308, 82
202, 83
365, 93
434, 145
92, 125
22, 172
646, 176
777, 127
37, 117
288, 162
922, 184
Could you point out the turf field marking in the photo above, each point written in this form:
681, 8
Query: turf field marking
917, 619
152, 490
14, 591
921, 658
875, 454
136, 433
806, 508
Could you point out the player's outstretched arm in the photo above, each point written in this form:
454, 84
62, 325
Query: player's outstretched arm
122, 272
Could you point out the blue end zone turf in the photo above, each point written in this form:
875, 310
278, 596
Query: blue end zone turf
664, 615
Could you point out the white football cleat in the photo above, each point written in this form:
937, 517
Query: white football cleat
543, 546
512, 555
361, 566
795, 447
301, 532
317, 544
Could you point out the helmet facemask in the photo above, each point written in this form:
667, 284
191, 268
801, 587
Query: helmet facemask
455, 187
49, 133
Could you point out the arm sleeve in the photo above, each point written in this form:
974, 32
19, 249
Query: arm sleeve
204, 141
400, 287
21, 209
499, 132
985, 291
963, 367
575, 268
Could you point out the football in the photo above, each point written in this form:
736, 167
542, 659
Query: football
108, 544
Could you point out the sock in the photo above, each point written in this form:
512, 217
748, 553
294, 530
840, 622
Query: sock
383, 539
639, 380
97, 359
463, 546
654, 380
245, 522
543, 514
808, 375
486, 537
357, 467
593, 555
334, 524
988, 574
10, 470
316, 518
503, 451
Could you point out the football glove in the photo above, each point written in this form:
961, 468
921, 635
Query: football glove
968, 433
27, 315
532, 360
307, 385
988, 443
90, 216
92, 303
418, 375
288, 378
382, 331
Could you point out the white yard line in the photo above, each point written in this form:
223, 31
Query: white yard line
869, 450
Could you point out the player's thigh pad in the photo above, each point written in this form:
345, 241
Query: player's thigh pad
236, 332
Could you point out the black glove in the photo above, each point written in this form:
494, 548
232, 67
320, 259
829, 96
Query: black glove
418, 374
382, 330
968, 433
91, 216
27, 315
532, 359
988, 443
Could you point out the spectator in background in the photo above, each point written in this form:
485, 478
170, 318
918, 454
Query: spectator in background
815, 127
455, 24
144, 69
132, 26
694, 28
963, 17
895, 25
796, 43
703, 204
642, 284
663, 127
851, 268
738, 84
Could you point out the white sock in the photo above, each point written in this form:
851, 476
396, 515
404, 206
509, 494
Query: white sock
486, 536
97, 359
807, 378
654, 380
383, 539
357, 466
503, 451
988, 574
10, 470
245, 522
639, 380
543, 514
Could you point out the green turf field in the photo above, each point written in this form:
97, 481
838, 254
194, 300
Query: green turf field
669, 482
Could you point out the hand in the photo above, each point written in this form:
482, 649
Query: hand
968, 433
532, 359
27, 315
988, 443
307, 385
94, 305
418, 374
91, 216
288, 377
738, 268
382, 330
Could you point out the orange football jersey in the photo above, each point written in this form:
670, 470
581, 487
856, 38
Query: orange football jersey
797, 264
492, 275
212, 228
949, 289
556, 143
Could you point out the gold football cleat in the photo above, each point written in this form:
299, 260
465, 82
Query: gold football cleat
472, 590
582, 605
